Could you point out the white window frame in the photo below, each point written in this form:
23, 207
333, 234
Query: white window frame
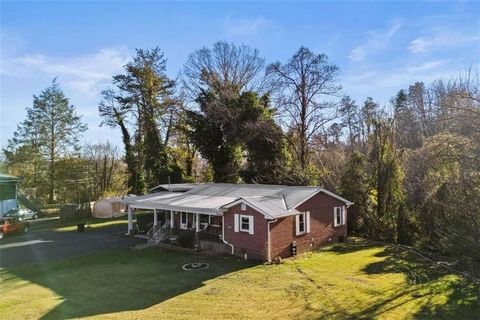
342, 216
306, 223
241, 223
238, 225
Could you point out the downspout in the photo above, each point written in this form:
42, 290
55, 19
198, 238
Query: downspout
223, 235
269, 259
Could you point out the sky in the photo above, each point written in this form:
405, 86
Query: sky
380, 46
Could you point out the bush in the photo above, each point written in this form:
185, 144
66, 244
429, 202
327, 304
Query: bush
186, 239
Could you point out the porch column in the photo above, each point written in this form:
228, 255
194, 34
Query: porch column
155, 221
197, 223
171, 219
130, 220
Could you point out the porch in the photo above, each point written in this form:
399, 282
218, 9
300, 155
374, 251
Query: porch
167, 226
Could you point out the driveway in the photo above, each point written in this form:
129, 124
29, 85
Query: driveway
38, 246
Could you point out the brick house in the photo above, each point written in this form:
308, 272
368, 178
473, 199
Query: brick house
250, 220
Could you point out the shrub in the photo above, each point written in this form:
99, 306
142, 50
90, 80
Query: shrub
186, 239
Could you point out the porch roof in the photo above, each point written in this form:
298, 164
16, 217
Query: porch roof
179, 201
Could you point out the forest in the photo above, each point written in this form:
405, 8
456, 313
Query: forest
411, 167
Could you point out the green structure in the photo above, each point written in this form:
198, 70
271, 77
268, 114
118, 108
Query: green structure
8, 193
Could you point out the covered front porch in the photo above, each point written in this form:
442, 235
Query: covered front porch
173, 223
180, 219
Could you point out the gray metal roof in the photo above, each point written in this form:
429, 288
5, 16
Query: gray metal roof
272, 200
175, 187
180, 201
292, 194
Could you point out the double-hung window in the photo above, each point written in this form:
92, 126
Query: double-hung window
338, 216
302, 223
243, 223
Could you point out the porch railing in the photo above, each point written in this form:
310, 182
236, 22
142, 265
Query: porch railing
158, 233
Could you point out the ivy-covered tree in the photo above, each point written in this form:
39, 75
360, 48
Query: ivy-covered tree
387, 180
223, 81
144, 96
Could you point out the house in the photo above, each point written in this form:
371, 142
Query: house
249, 220
8, 193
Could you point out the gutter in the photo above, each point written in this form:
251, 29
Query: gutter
269, 259
223, 235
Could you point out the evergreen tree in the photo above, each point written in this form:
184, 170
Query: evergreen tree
355, 186
408, 129
349, 112
52, 128
387, 179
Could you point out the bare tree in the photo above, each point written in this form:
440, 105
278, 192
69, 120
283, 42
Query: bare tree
225, 66
305, 86
104, 167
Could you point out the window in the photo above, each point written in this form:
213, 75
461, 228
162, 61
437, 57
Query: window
204, 218
339, 216
7, 191
183, 220
302, 222
243, 223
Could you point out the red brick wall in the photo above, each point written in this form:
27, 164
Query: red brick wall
255, 245
322, 231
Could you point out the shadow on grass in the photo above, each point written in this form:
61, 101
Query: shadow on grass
352, 245
426, 281
57, 225
123, 280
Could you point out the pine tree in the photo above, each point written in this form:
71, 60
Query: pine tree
53, 128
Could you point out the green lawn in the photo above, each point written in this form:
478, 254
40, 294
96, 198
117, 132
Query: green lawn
351, 281
55, 224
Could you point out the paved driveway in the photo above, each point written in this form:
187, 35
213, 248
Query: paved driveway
38, 246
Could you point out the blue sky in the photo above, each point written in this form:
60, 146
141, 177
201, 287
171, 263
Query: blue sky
380, 47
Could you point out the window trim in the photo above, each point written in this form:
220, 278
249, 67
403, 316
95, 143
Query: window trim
238, 223
342, 216
302, 216
241, 217
306, 223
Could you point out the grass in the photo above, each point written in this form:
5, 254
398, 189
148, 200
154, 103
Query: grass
55, 224
357, 280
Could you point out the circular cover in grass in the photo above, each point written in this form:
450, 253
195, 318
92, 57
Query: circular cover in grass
195, 266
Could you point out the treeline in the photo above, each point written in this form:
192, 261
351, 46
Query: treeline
411, 167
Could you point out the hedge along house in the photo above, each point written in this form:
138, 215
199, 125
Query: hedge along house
8, 193
250, 220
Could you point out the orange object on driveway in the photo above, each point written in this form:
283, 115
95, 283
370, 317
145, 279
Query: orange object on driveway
10, 225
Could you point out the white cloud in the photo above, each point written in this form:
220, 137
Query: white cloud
357, 54
425, 66
382, 82
85, 73
439, 40
247, 26
377, 40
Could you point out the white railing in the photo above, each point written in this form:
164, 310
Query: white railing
154, 229
158, 233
